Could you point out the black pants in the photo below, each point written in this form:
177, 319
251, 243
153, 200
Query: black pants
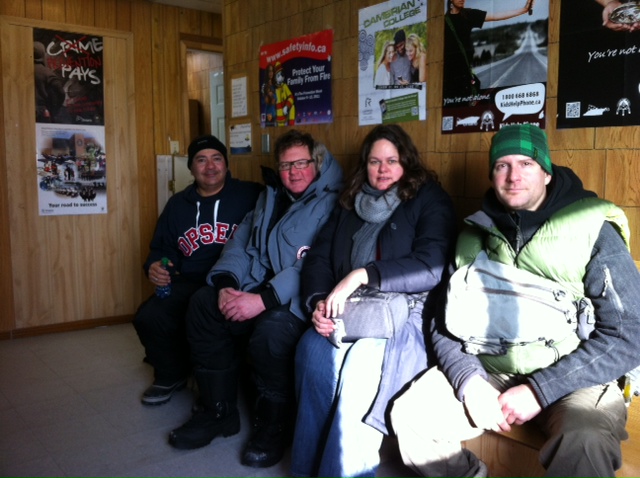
160, 324
271, 339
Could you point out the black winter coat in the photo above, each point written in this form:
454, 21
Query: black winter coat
414, 246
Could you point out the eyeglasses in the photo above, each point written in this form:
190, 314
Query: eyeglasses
299, 164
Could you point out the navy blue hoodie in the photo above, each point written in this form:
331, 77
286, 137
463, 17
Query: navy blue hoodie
192, 230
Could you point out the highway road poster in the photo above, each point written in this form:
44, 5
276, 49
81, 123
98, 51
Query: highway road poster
599, 67
392, 51
495, 64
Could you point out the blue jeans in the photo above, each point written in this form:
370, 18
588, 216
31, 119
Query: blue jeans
335, 389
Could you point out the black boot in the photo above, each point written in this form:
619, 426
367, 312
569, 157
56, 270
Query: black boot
270, 435
219, 412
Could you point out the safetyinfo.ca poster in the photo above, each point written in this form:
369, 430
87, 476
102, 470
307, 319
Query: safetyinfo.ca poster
70, 133
392, 54
599, 71
495, 64
295, 81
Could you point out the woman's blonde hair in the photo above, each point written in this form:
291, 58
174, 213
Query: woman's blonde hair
416, 41
387, 44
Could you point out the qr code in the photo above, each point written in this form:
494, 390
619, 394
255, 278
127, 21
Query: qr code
447, 123
414, 111
573, 110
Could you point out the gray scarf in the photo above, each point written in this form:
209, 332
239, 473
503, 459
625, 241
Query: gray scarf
374, 207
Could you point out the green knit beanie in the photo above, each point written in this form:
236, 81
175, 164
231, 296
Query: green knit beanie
525, 139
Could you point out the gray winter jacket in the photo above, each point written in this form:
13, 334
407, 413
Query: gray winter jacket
258, 257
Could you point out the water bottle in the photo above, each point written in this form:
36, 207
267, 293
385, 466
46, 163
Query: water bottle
164, 291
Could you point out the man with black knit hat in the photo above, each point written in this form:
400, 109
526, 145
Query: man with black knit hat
191, 232
538, 218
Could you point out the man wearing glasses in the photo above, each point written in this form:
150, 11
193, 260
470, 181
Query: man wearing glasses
252, 303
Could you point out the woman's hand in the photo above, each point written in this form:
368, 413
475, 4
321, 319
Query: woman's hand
323, 325
334, 304
158, 275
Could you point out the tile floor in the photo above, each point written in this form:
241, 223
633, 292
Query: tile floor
69, 406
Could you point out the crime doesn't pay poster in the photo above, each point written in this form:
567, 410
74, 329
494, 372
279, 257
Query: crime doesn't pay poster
295, 81
70, 133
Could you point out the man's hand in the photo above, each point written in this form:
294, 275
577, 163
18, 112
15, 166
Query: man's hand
158, 275
238, 306
529, 6
609, 7
519, 404
481, 402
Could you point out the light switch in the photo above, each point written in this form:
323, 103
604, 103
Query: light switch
266, 143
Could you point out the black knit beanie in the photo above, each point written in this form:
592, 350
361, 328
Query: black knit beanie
206, 142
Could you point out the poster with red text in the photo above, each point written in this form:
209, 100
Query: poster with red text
70, 133
295, 81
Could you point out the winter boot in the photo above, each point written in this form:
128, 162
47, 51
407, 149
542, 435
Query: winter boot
218, 414
270, 435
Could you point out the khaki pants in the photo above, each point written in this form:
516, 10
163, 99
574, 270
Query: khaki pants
583, 429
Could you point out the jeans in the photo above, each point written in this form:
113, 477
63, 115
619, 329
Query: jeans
335, 389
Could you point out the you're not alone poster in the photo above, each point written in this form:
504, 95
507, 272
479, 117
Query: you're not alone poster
599, 66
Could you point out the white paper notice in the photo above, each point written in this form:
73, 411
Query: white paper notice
239, 97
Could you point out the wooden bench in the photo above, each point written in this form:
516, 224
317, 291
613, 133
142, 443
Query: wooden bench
516, 453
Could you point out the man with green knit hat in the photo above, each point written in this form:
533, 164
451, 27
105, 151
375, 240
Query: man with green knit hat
536, 217
520, 166
527, 140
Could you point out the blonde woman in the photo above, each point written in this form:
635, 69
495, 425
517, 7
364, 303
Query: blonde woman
383, 73
417, 54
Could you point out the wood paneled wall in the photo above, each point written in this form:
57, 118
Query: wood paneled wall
61, 264
101, 281
605, 158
